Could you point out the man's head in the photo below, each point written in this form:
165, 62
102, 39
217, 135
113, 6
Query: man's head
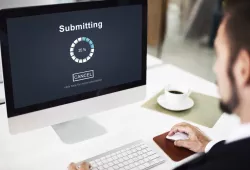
232, 66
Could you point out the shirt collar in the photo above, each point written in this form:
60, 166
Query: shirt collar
241, 132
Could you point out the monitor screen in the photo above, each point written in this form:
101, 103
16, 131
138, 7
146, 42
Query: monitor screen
74, 55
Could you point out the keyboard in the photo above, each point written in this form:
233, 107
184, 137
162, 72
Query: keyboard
133, 156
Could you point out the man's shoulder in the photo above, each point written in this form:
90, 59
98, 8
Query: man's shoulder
223, 156
240, 146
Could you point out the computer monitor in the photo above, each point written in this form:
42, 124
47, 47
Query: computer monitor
63, 62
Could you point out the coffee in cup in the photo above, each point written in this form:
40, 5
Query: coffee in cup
176, 94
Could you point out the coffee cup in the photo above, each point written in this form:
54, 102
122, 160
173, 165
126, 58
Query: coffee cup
176, 94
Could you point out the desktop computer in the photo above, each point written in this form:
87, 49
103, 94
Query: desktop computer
67, 61
64, 62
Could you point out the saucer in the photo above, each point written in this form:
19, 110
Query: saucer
185, 105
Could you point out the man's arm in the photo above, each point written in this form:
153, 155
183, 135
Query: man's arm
212, 144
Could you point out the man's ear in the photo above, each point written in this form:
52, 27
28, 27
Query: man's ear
242, 68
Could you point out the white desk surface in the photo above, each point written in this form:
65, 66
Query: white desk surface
153, 61
42, 149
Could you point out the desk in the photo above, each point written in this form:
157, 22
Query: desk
42, 149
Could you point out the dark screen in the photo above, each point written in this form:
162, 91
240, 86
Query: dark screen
107, 53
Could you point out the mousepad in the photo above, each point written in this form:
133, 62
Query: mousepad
205, 111
175, 153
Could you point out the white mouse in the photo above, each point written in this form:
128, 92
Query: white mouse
178, 136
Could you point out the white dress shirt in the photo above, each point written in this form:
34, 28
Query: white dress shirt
242, 132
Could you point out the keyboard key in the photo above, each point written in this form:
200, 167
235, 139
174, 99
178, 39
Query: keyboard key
129, 152
124, 154
116, 162
104, 161
133, 150
140, 157
110, 164
123, 150
115, 157
146, 165
126, 158
158, 160
125, 163
141, 162
116, 167
135, 168
135, 159
105, 166
127, 167
135, 154
150, 153
130, 156
153, 156
100, 168
109, 159
99, 163
136, 163
151, 163
132, 165
138, 149
130, 161
97, 160
120, 165
121, 160
141, 167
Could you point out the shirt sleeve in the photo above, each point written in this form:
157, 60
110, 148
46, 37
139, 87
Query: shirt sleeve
211, 144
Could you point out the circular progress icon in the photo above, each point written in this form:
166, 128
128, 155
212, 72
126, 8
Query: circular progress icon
72, 49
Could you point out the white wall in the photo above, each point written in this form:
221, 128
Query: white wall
20, 3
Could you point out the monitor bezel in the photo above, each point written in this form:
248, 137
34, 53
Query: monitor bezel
6, 14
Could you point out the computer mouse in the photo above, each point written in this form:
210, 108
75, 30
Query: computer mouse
178, 136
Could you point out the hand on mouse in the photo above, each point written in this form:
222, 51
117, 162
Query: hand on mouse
197, 141
84, 166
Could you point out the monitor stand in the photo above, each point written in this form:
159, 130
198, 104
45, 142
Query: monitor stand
78, 130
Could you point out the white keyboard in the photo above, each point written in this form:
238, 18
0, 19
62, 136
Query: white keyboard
134, 156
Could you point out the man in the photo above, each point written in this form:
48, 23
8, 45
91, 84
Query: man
232, 69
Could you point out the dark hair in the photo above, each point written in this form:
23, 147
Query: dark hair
237, 28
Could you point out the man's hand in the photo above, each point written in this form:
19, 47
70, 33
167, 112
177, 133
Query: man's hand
197, 141
84, 166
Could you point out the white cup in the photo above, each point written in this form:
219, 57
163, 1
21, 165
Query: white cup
176, 99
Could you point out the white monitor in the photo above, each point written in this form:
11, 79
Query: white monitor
64, 62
